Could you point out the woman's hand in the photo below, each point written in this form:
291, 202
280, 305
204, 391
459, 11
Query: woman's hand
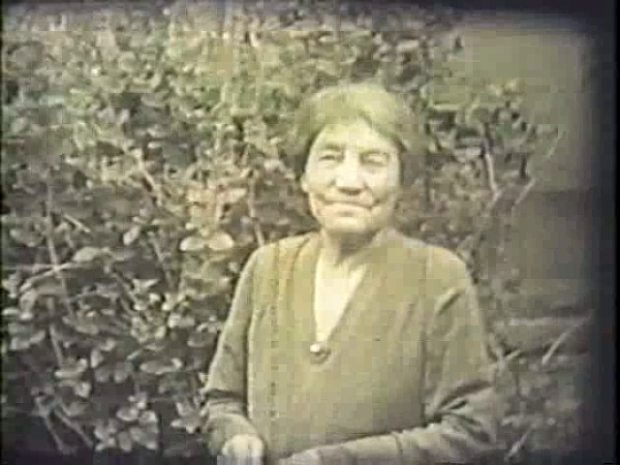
242, 449
307, 457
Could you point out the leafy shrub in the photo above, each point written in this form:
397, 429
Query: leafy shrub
143, 161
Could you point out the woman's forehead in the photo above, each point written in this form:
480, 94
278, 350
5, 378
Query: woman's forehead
356, 134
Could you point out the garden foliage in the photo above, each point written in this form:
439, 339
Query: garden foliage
143, 160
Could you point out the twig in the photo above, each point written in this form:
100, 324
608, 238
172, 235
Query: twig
516, 448
21, 411
142, 170
488, 214
258, 231
54, 269
157, 249
560, 340
74, 427
56, 346
227, 45
227, 25
62, 447
125, 287
487, 158
51, 248
260, 79
490, 169
503, 360
529, 186
76, 223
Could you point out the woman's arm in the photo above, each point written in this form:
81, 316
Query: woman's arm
460, 401
226, 383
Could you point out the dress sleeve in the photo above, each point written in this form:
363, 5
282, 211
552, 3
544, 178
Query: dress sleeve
226, 407
461, 407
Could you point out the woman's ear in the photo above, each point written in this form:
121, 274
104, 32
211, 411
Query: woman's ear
303, 182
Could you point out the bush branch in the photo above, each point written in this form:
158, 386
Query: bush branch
560, 340
489, 165
74, 427
157, 249
53, 270
517, 446
530, 185
142, 170
56, 346
53, 253
77, 223
258, 231
60, 444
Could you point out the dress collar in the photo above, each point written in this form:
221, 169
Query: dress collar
361, 257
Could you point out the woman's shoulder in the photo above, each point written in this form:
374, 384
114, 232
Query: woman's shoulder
288, 246
437, 258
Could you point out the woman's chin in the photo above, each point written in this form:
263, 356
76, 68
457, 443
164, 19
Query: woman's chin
350, 230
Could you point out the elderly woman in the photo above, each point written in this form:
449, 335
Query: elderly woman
353, 344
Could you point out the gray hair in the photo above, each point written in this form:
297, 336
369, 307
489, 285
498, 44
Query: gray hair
369, 101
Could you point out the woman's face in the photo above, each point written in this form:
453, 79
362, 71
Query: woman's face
352, 179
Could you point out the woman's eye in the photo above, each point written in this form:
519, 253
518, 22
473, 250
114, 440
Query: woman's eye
328, 156
375, 159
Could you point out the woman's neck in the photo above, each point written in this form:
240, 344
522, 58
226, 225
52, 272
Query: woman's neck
339, 251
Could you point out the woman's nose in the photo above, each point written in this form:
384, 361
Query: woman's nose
348, 175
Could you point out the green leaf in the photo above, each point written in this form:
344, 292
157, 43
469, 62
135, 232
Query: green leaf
25, 237
201, 339
103, 374
546, 129
87, 254
19, 329
12, 312
143, 436
72, 370
156, 367
74, 409
148, 417
81, 325
190, 423
220, 241
467, 154
96, 357
407, 46
128, 414
122, 370
55, 100
108, 345
107, 444
83, 389
446, 107
327, 67
24, 342
18, 125
101, 431
232, 196
178, 321
12, 284
139, 400
45, 403
513, 85
50, 288
495, 90
125, 442
130, 236
143, 285
192, 244
184, 408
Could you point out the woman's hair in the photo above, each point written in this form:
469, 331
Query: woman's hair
380, 109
